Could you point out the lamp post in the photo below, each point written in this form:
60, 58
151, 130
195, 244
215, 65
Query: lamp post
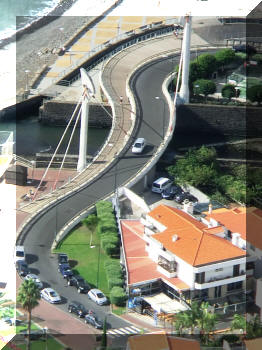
26, 79
163, 102
45, 330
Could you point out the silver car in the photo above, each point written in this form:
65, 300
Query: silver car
35, 278
97, 296
50, 295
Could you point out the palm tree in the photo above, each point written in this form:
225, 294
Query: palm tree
91, 222
104, 335
206, 320
28, 296
239, 322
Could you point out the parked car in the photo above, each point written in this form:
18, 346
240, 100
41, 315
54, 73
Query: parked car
97, 296
77, 308
161, 184
93, 320
139, 145
22, 268
19, 253
50, 295
185, 195
250, 50
78, 282
35, 278
171, 192
65, 270
34, 334
62, 258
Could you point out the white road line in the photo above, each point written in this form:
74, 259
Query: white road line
124, 330
119, 332
133, 328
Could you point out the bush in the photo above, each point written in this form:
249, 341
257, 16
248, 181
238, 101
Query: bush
204, 87
115, 282
114, 271
257, 57
108, 227
207, 65
118, 296
254, 93
104, 206
110, 248
225, 56
228, 91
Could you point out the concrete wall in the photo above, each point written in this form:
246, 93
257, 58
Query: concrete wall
59, 113
232, 121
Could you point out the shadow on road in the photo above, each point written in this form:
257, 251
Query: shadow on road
31, 258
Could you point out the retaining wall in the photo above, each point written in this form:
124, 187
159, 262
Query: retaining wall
59, 113
232, 121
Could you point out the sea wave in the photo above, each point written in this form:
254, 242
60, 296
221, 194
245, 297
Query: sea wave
38, 19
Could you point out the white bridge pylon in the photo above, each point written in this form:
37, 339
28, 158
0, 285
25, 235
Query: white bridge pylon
88, 93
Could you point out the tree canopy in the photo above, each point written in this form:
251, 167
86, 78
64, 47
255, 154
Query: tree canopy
228, 91
254, 93
204, 87
225, 56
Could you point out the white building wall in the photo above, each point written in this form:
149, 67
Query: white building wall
156, 223
185, 272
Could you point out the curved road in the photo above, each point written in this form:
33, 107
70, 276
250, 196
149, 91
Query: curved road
154, 114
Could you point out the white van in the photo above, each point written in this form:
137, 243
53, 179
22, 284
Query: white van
161, 184
19, 253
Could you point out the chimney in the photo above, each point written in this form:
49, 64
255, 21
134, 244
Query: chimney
210, 208
174, 238
188, 207
235, 239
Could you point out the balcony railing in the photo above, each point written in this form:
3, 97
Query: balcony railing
215, 279
167, 267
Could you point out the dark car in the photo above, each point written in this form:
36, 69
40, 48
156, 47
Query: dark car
250, 50
22, 268
185, 195
91, 319
34, 334
65, 270
171, 192
62, 258
79, 283
77, 308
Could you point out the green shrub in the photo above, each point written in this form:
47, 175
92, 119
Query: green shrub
114, 272
118, 296
115, 282
104, 206
110, 248
109, 239
257, 57
109, 227
228, 91
225, 56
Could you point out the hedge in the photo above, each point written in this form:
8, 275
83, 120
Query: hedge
118, 296
104, 206
115, 282
114, 271
110, 248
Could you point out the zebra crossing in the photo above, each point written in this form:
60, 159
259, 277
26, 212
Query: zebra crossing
119, 332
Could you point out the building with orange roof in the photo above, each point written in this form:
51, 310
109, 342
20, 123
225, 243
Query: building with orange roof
161, 341
184, 257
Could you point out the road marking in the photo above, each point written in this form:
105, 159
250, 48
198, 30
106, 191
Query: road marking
124, 330
133, 328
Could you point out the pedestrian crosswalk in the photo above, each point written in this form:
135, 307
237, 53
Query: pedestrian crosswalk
119, 332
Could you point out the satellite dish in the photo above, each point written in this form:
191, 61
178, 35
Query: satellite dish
87, 82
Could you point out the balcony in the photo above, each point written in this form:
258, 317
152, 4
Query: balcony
168, 270
213, 282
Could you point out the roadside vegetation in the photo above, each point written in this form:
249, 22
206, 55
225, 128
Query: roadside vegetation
200, 168
204, 69
93, 249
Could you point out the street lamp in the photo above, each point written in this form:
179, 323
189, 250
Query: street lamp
160, 99
26, 79
45, 331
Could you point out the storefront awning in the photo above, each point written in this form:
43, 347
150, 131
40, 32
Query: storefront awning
162, 303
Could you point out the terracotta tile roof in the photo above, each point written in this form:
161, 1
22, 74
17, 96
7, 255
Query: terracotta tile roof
246, 221
214, 230
193, 244
140, 268
161, 341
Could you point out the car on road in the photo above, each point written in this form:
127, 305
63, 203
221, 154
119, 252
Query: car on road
35, 279
19, 253
171, 192
97, 296
94, 321
62, 258
139, 145
50, 295
78, 282
185, 195
77, 308
65, 270
22, 268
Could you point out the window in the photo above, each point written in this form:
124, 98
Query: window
236, 270
200, 277
234, 286
218, 270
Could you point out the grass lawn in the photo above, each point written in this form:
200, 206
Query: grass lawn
118, 310
51, 344
23, 327
86, 261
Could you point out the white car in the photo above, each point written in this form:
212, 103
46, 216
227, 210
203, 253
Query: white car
97, 296
19, 253
139, 145
50, 295
35, 278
